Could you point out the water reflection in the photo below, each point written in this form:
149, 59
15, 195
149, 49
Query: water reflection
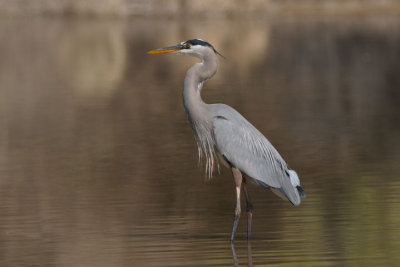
249, 255
98, 164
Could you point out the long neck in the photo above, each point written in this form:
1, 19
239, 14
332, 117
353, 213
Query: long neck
195, 77
199, 113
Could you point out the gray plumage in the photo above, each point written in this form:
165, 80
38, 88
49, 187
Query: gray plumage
222, 132
248, 150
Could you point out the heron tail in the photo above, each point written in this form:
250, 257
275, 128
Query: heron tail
295, 181
301, 191
290, 189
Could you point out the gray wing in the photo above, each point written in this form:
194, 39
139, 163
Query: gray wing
247, 149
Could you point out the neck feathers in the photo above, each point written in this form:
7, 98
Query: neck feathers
198, 112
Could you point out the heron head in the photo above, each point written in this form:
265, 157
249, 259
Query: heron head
194, 47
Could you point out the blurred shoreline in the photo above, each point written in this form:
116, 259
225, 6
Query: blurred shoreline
199, 9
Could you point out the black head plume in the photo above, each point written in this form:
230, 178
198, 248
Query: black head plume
202, 43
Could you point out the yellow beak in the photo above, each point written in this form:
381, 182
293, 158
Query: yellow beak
165, 50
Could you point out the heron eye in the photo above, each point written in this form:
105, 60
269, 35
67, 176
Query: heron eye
187, 46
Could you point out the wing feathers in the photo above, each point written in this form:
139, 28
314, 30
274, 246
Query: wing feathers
249, 151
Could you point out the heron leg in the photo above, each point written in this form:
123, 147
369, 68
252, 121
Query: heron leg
237, 176
249, 209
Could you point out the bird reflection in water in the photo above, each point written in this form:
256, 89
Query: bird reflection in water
249, 255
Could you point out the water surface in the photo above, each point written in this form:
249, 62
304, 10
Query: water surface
99, 166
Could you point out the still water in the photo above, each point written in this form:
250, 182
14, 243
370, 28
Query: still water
98, 166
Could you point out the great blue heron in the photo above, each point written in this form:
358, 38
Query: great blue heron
221, 132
